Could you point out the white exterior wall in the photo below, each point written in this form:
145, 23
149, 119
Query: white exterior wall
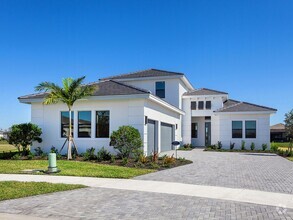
174, 88
223, 130
159, 114
217, 103
186, 121
122, 112
200, 140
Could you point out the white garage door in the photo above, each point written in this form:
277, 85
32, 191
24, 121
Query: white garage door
151, 137
166, 137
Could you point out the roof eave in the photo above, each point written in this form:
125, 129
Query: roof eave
246, 112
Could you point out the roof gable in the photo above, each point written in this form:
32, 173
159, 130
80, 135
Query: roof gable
105, 88
145, 74
236, 106
204, 91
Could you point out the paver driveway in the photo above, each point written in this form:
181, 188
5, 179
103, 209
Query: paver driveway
101, 203
266, 172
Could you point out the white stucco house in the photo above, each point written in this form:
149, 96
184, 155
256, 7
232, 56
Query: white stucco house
162, 105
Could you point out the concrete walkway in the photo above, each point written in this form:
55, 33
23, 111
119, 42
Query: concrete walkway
212, 192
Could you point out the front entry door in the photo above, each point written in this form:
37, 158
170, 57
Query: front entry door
207, 133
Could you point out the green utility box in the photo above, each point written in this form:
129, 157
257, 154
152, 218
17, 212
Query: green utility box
52, 168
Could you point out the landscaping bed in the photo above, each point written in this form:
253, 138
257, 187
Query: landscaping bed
14, 189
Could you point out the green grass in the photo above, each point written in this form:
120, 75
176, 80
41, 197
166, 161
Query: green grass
7, 148
281, 144
4, 146
290, 158
14, 190
73, 168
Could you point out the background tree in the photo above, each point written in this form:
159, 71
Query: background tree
72, 90
289, 128
22, 136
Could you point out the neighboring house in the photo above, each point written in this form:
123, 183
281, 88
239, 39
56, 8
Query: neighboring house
162, 105
3, 134
278, 133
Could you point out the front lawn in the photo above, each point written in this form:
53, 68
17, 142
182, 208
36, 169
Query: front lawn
5, 147
73, 168
14, 190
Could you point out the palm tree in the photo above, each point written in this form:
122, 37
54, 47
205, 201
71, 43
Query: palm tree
71, 91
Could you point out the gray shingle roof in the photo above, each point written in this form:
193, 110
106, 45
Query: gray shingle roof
145, 73
205, 91
236, 106
105, 88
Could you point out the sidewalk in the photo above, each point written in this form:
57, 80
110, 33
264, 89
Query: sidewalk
212, 192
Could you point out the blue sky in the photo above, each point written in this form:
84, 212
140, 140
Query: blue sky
242, 47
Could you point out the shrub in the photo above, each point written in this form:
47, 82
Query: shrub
252, 146
38, 151
220, 145
90, 154
44, 155
155, 157
137, 154
187, 146
243, 145
23, 136
103, 155
181, 159
143, 159
232, 145
30, 156
54, 150
16, 157
264, 147
124, 161
274, 147
168, 160
154, 165
127, 140
113, 159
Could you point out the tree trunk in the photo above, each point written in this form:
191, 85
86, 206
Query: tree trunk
69, 150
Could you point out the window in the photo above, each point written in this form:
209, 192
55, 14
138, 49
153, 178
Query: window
207, 117
65, 124
200, 105
208, 104
250, 129
102, 124
193, 105
160, 89
194, 129
236, 129
84, 124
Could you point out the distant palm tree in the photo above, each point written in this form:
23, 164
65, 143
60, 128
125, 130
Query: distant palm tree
71, 91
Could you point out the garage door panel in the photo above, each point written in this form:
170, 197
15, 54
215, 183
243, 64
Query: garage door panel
166, 137
151, 137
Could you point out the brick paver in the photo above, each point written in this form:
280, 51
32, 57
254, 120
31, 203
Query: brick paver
101, 203
266, 172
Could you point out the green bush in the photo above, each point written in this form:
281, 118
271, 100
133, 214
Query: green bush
124, 161
103, 155
126, 140
89, 154
54, 150
187, 146
23, 136
30, 156
39, 151
232, 145
113, 159
252, 146
243, 145
16, 157
220, 145
264, 147
274, 147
